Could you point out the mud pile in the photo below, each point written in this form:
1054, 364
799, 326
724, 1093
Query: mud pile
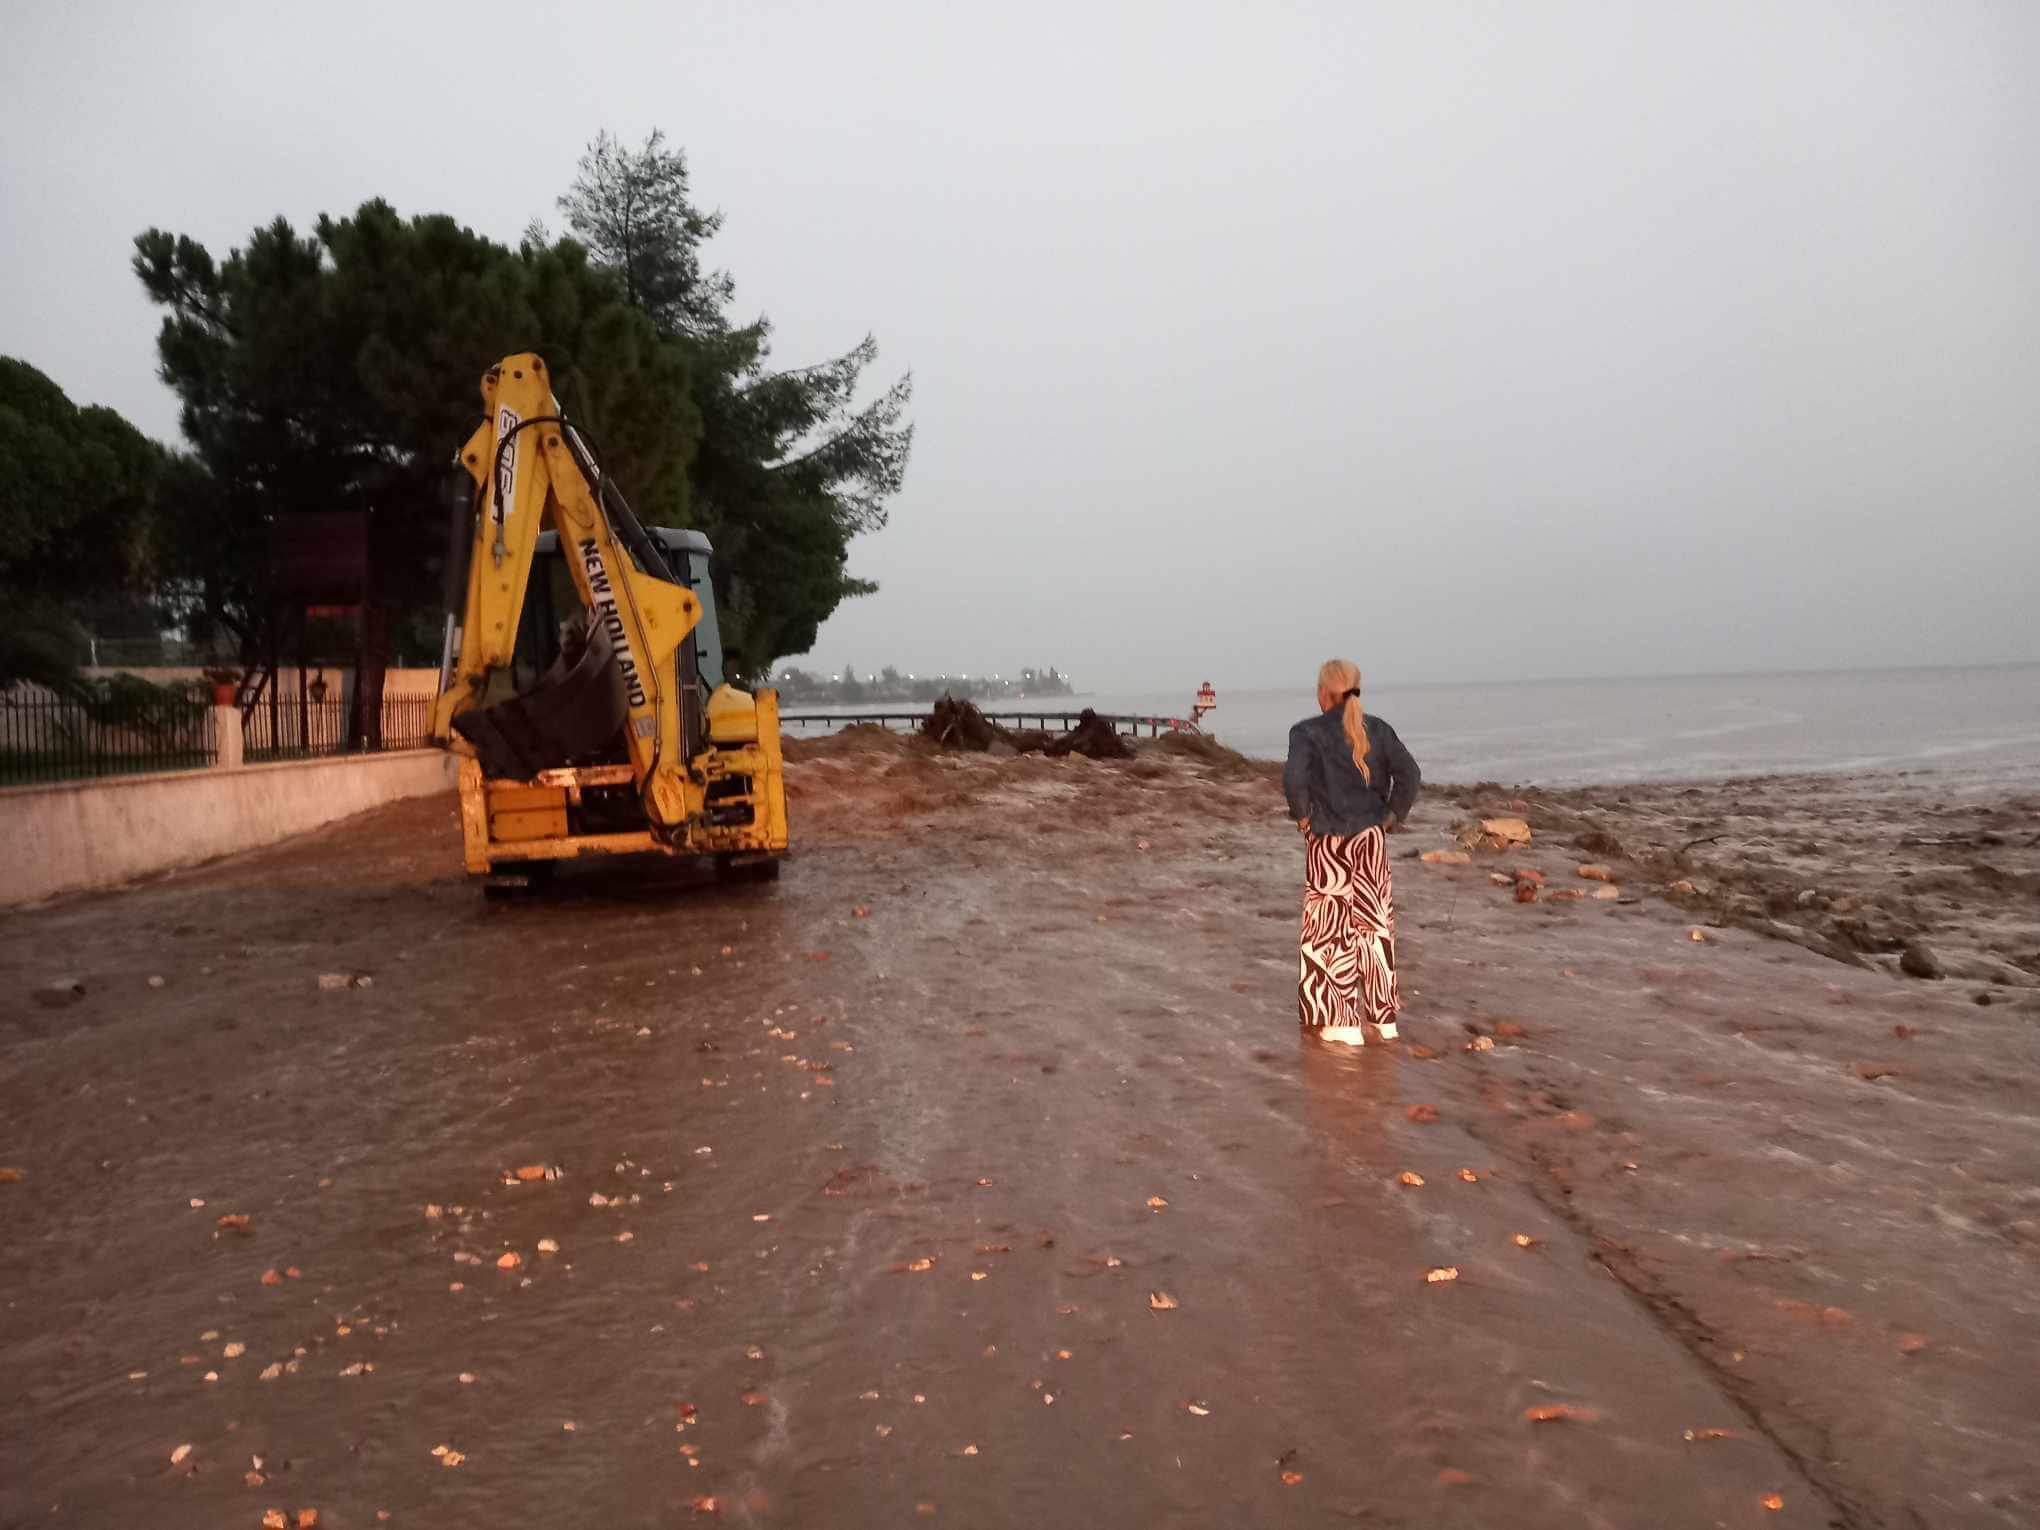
1202, 749
853, 788
866, 783
859, 741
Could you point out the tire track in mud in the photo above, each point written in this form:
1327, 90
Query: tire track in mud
1678, 1321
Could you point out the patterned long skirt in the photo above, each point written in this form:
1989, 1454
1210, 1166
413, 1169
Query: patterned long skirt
1347, 972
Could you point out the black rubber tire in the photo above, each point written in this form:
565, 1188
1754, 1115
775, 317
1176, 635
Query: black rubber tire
541, 874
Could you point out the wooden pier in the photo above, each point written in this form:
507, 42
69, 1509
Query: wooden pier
1050, 722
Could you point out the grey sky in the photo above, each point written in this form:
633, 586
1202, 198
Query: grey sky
1472, 341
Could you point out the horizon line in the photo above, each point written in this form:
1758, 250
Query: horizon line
1604, 679
1716, 674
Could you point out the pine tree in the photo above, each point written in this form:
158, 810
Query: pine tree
791, 464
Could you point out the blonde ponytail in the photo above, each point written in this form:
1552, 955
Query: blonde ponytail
1341, 678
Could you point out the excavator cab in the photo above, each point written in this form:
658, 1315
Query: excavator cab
583, 680
553, 613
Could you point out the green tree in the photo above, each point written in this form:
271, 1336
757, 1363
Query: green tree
339, 371
632, 206
791, 464
82, 493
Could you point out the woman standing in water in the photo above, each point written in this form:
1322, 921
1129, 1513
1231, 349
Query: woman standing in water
1349, 780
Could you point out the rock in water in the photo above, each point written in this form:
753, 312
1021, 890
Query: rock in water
1918, 960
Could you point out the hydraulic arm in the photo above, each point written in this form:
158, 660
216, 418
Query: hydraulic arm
532, 472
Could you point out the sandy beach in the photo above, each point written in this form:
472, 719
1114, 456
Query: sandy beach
976, 1173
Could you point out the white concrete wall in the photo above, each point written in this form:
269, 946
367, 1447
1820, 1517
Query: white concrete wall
77, 835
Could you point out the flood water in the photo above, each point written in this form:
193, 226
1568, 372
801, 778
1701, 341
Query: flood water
974, 1174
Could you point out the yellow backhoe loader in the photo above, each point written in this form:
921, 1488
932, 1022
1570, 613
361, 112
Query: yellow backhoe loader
581, 682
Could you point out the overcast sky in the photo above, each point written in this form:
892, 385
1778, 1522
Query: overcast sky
1469, 341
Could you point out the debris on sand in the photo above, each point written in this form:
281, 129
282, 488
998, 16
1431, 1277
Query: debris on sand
1561, 1413
1918, 960
1446, 858
957, 724
1492, 834
1093, 737
1501, 833
57, 995
953, 724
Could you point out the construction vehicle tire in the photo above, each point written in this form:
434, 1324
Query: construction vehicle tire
527, 881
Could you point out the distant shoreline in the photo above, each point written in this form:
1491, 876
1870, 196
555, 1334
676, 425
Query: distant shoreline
1302, 685
1960, 724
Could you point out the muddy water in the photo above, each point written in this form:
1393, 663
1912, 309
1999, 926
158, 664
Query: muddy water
1069, 996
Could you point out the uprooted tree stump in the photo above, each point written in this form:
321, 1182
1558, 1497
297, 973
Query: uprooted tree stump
1094, 737
960, 725
954, 724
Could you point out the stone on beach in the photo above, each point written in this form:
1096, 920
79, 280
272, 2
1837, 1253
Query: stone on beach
1918, 960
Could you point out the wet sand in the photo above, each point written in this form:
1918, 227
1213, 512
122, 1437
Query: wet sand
993, 1013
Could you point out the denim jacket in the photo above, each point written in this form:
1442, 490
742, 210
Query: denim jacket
1324, 785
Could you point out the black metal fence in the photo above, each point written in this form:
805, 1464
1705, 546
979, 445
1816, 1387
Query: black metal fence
50, 738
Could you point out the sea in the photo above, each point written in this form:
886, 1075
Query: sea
1981, 721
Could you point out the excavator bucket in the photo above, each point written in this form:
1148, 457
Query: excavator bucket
573, 716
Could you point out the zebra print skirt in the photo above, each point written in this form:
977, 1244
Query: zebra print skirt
1347, 971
